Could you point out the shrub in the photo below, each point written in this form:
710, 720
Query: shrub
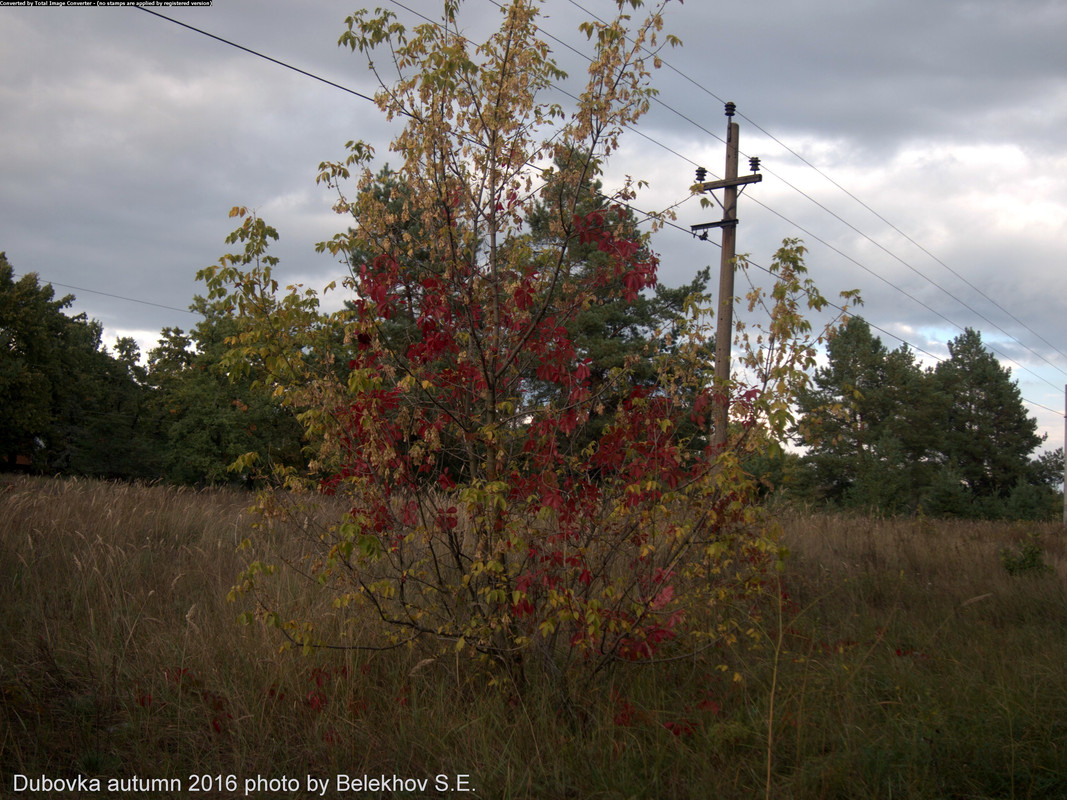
444, 401
1026, 559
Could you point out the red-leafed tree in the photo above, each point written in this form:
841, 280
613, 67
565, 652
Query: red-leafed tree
478, 515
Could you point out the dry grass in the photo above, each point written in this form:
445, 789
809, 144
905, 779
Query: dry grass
902, 661
949, 671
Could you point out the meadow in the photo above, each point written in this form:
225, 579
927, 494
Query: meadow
896, 658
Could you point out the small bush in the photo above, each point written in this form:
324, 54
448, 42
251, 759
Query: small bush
1027, 559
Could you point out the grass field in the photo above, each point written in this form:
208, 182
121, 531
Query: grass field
904, 661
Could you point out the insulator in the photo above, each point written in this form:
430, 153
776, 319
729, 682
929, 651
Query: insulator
730, 109
753, 164
701, 174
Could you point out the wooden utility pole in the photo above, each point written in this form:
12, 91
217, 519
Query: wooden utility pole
1065, 454
724, 332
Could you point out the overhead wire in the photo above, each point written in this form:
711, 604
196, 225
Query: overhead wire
898, 231
840, 219
901, 290
918, 272
106, 294
256, 53
646, 214
769, 171
818, 204
831, 304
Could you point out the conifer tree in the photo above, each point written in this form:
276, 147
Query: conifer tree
862, 422
882, 433
986, 432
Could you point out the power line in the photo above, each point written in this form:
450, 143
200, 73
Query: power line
707, 91
904, 292
833, 305
646, 214
812, 200
257, 54
902, 233
108, 294
916, 271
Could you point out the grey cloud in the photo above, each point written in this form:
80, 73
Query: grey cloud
126, 139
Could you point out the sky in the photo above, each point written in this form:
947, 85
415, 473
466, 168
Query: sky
916, 148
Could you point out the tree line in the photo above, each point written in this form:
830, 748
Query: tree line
880, 432
69, 405
876, 431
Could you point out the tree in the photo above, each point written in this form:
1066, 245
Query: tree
986, 433
1047, 469
866, 424
29, 323
883, 434
101, 409
612, 332
66, 405
206, 418
537, 551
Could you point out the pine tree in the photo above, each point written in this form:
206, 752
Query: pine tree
986, 433
864, 425
882, 433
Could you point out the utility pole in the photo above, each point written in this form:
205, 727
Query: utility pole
1065, 454
724, 332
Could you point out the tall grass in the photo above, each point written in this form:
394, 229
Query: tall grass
896, 658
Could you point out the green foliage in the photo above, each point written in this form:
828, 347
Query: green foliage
66, 404
866, 424
882, 433
30, 325
986, 431
207, 416
611, 332
1026, 559
69, 406
1047, 468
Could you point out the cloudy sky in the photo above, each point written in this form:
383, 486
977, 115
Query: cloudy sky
917, 148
